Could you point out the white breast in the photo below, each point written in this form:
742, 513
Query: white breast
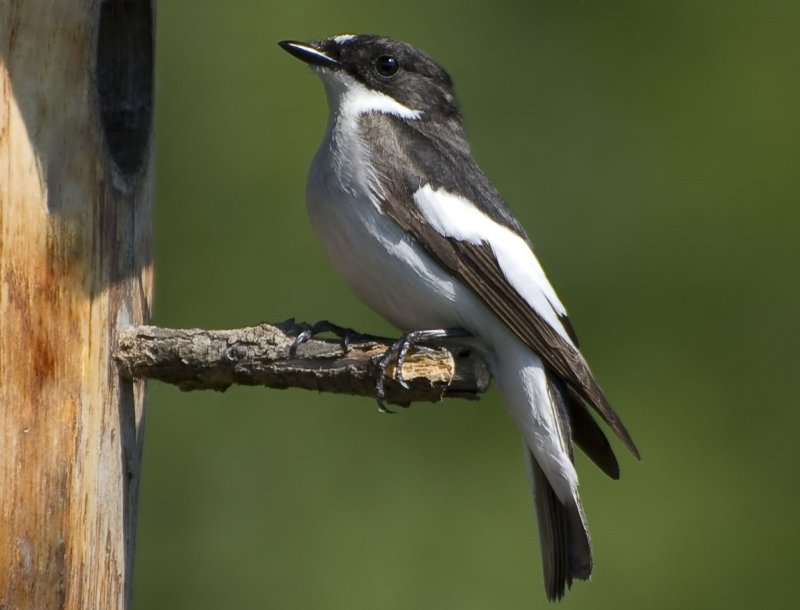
377, 261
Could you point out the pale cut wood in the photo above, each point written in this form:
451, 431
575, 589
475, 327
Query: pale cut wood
75, 255
195, 359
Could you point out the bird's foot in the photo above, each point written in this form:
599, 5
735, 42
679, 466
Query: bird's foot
323, 326
398, 351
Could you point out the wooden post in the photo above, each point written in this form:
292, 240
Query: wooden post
76, 96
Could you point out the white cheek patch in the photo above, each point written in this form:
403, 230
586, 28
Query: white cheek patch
454, 216
360, 100
354, 99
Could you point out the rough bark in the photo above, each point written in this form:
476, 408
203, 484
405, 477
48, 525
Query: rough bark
75, 255
196, 359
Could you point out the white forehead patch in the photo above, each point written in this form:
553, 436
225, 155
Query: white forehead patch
342, 38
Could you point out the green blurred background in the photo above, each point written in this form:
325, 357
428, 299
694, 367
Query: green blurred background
660, 141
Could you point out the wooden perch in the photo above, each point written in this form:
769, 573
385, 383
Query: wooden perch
260, 355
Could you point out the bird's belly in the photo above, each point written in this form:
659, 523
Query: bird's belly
384, 267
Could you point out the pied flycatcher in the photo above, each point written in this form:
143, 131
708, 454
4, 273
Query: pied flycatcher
419, 234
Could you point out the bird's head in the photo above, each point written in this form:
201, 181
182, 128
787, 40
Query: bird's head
375, 71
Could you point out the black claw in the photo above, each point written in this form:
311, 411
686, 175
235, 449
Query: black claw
380, 387
301, 338
323, 326
382, 408
380, 390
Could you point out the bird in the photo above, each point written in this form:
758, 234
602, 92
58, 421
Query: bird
419, 233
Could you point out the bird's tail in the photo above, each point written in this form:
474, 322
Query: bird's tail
539, 404
563, 535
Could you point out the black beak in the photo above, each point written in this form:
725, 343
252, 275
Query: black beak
308, 52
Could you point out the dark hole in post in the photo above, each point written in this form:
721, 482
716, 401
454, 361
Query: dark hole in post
125, 79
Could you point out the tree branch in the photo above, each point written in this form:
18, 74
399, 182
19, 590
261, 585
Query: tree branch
195, 359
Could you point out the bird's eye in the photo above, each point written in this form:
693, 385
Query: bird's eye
386, 65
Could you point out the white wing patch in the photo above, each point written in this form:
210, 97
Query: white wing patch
456, 217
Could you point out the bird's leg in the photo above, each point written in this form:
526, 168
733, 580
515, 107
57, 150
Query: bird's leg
323, 326
399, 349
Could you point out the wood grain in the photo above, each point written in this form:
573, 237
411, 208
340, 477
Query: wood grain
75, 267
